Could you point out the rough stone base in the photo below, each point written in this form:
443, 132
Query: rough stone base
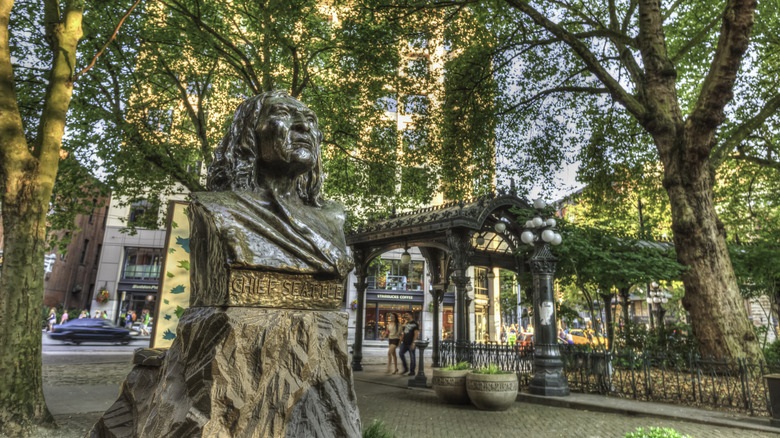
241, 372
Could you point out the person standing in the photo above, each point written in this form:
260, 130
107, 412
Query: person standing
393, 333
64, 318
52, 318
411, 331
145, 322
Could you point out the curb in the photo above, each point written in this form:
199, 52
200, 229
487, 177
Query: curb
689, 414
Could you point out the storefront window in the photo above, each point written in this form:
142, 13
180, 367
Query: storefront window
137, 303
377, 314
448, 324
371, 322
391, 275
142, 264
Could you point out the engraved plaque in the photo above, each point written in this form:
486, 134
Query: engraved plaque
273, 289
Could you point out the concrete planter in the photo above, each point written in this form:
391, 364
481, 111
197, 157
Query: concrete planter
450, 385
492, 392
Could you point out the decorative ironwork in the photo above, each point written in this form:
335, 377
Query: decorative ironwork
543, 261
731, 384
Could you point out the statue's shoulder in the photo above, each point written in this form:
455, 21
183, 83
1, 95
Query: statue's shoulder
332, 206
224, 199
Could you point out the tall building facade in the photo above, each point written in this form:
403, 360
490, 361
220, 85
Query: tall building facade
129, 270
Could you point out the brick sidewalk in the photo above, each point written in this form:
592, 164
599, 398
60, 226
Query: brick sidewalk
413, 413
418, 413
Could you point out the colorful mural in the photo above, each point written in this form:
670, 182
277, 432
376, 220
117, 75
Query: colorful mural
174, 293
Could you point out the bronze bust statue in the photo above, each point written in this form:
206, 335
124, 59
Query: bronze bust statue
264, 200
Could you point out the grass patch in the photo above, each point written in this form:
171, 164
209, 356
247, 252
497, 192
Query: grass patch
656, 432
377, 429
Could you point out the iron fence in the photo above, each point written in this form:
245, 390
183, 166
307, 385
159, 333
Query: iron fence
727, 384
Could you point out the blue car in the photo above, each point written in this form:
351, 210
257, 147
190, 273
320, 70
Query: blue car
77, 331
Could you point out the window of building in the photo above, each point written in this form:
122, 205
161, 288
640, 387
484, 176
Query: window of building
417, 67
143, 212
388, 103
415, 104
480, 281
92, 211
414, 141
142, 264
84, 252
392, 275
418, 40
97, 254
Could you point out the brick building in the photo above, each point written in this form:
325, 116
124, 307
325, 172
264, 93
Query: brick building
70, 276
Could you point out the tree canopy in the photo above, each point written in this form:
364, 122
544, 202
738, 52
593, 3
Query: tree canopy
641, 89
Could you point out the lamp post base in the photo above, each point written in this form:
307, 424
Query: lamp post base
549, 384
357, 358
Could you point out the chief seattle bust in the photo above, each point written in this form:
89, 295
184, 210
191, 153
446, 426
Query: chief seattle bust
263, 229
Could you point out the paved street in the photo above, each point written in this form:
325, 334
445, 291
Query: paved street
58, 352
75, 392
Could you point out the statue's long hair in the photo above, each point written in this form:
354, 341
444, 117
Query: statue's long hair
234, 166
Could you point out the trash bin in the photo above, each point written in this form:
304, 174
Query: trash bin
773, 387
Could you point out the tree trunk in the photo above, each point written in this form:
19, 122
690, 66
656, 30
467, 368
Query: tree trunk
21, 299
609, 324
718, 315
28, 173
624, 298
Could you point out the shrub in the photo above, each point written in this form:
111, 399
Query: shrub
490, 369
672, 339
460, 366
656, 432
772, 355
377, 429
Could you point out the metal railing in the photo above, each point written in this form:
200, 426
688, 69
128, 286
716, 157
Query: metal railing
726, 384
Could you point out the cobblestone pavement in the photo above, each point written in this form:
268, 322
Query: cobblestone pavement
410, 413
413, 413
86, 374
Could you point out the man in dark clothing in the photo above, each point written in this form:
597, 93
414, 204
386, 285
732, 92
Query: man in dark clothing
411, 331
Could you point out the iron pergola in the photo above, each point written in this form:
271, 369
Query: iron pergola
481, 231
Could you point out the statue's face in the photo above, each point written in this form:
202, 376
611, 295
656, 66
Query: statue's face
288, 136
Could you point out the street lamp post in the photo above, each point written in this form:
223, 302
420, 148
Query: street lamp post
656, 296
548, 378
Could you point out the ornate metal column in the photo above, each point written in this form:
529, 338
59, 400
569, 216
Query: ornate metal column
459, 251
437, 294
361, 285
461, 341
548, 376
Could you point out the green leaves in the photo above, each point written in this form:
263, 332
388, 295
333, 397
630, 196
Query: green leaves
598, 257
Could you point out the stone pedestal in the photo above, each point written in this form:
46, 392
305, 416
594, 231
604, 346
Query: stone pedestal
241, 372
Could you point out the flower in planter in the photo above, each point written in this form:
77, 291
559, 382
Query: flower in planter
102, 296
353, 305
